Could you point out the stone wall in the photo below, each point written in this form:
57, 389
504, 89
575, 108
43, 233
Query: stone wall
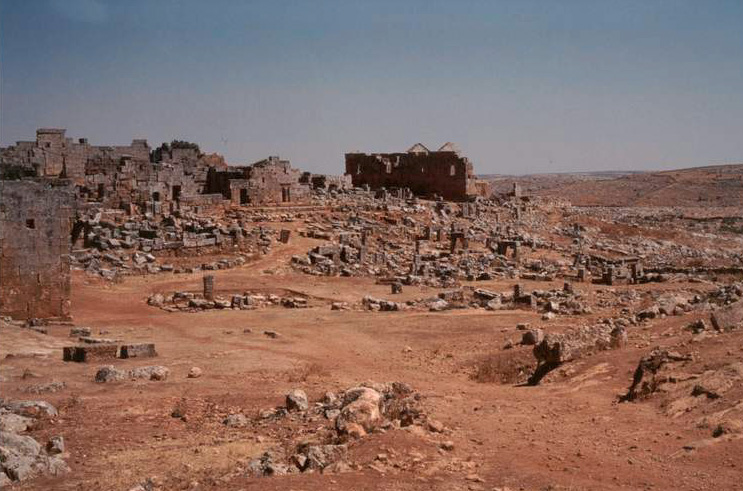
35, 225
270, 182
327, 181
426, 173
139, 180
54, 155
121, 177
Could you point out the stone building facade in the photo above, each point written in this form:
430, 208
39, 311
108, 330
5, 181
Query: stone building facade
151, 187
55, 155
175, 176
427, 173
269, 182
35, 225
122, 177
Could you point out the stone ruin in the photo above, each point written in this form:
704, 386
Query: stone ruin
35, 224
175, 176
427, 173
59, 196
324, 182
96, 350
271, 181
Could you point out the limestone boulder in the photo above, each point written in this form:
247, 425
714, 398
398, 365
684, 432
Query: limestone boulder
23, 458
109, 373
361, 411
31, 408
14, 423
155, 372
318, 457
296, 400
532, 337
728, 318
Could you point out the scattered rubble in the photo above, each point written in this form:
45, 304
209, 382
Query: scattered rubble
350, 415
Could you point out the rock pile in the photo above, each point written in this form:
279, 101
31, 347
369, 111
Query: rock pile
351, 415
114, 244
21, 456
195, 302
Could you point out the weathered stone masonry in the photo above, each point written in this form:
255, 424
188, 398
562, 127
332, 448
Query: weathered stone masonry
55, 155
444, 172
269, 182
119, 177
35, 224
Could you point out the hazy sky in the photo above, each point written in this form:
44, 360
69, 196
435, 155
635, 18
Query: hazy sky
521, 86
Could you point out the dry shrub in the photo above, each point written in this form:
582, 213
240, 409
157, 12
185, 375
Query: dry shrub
507, 367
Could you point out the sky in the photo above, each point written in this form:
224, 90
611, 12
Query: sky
521, 86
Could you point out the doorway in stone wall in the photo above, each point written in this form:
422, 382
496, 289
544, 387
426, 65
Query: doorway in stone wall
244, 198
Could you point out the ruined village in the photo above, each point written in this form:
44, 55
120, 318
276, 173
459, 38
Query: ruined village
171, 320
371, 245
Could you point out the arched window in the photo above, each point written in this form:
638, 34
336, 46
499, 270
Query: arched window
452, 170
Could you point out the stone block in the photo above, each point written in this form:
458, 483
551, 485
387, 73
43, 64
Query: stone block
89, 353
142, 350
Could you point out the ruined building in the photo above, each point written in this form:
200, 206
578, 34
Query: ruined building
133, 177
35, 225
174, 176
441, 173
268, 182
45, 183
327, 182
54, 155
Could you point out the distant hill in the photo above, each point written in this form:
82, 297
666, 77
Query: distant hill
594, 174
719, 185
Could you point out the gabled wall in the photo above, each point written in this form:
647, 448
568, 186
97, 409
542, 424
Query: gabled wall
442, 173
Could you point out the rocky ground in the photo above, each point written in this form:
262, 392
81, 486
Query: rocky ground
317, 366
